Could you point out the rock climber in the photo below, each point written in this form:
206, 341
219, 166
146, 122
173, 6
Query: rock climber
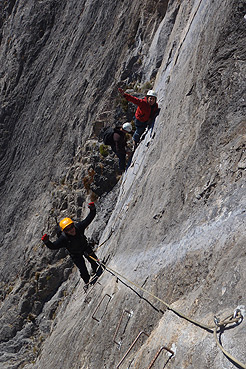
119, 144
146, 112
74, 240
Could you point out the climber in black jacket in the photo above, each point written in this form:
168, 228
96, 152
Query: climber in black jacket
74, 240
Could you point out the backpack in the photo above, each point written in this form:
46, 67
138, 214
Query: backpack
107, 135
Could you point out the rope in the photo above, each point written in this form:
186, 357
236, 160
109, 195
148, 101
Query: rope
101, 244
226, 353
233, 318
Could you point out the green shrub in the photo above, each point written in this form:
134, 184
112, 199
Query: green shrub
103, 150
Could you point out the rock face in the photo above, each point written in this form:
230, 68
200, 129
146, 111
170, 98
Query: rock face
174, 225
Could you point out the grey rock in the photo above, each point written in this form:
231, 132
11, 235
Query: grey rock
171, 229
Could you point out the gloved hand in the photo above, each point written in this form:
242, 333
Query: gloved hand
45, 238
91, 206
121, 91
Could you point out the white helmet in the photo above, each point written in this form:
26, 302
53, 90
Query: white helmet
152, 93
127, 127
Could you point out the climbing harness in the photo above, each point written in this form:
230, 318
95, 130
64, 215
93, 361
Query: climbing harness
235, 318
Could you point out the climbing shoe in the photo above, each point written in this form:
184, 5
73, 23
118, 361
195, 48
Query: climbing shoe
86, 286
93, 272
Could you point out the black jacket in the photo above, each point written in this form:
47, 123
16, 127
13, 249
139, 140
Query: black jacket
74, 244
119, 138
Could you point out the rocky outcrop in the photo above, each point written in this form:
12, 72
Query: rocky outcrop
173, 226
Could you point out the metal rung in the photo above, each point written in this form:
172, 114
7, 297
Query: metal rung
158, 353
136, 339
118, 326
109, 298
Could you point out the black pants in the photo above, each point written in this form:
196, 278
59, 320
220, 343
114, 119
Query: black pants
122, 158
79, 261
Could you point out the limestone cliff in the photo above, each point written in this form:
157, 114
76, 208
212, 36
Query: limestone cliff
174, 224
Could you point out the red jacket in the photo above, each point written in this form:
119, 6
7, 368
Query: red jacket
143, 112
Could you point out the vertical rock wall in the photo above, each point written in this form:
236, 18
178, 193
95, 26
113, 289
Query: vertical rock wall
178, 225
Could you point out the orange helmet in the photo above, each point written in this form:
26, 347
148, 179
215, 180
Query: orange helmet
65, 222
